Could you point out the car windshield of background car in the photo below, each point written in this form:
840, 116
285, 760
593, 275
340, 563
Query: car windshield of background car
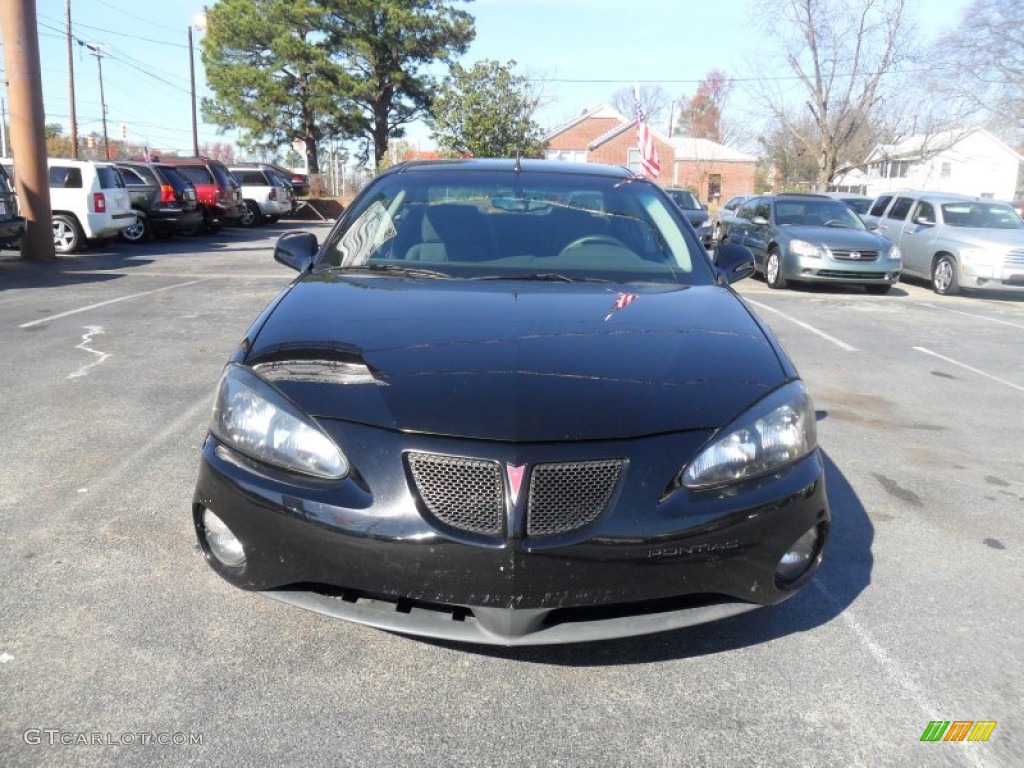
981, 216
817, 214
483, 223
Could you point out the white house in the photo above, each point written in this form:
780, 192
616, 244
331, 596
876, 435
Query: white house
966, 161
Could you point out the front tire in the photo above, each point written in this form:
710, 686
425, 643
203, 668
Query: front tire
944, 279
773, 269
67, 234
139, 232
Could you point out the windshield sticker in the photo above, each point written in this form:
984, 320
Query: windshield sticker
367, 234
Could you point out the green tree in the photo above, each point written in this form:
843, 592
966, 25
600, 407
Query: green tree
384, 45
487, 111
273, 71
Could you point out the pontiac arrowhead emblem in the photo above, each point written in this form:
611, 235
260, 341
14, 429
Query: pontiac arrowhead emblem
515, 480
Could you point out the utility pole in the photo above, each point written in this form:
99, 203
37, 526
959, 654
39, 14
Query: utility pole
192, 80
3, 127
28, 140
98, 53
71, 83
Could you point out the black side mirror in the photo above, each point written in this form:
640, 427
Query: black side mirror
734, 262
296, 250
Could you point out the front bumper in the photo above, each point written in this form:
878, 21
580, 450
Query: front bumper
828, 270
361, 549
1008, 276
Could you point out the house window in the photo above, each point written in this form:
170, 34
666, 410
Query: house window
714, 186
947, 170
567, 155
898, 169
633, 160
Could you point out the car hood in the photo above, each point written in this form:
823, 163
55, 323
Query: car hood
515, 361
1009, 238
838, 237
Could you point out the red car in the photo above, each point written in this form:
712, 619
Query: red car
218, 194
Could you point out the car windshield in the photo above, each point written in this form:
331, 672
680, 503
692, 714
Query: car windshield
483, 223
859, 204
981, 216
816, 213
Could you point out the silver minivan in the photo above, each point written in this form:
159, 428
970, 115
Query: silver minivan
955, 241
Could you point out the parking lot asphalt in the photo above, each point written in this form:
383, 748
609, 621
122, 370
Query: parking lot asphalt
115, 635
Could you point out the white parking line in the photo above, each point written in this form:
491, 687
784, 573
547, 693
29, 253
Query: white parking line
971, 314
48, 318
969, 368
802, 324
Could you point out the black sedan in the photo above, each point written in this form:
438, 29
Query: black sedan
512, 403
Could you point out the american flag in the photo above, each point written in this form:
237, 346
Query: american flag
648, 153
146, 157
623, 301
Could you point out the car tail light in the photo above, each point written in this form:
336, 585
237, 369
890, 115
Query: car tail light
167, 193
99, 202
273, 193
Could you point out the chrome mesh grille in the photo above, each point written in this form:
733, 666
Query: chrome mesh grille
464, 493
864, 255
569, 495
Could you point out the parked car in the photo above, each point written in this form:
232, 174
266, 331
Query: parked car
12, 226
164, 201
955, 241
726, 210
812, 239
488, 411
217, 192
89, 202
696, 212
859, 203
267, 196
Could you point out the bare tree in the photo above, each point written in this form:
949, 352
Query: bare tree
981, 63
653, 101
839, 53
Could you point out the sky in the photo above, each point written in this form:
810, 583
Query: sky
580, 51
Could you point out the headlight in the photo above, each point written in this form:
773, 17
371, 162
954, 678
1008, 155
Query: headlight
803, 248
894, 253
257, 420
777, 431
978, 257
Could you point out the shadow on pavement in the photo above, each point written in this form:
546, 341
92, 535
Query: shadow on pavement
845, 572
82, 267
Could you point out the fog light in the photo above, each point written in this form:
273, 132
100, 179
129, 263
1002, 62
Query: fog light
224, 545
800, 557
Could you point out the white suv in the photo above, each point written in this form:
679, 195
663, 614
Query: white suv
89, 202
267, 196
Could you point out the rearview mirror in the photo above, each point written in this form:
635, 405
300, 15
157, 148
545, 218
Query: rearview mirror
759, 220
871, 226
296, 250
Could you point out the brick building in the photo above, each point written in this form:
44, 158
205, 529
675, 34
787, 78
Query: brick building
603, 135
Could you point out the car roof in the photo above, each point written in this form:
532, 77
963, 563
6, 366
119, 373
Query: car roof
510, 164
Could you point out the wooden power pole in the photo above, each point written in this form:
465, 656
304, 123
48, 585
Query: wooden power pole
28, 138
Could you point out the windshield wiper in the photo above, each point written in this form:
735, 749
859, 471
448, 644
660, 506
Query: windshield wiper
549, 276
394, 269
